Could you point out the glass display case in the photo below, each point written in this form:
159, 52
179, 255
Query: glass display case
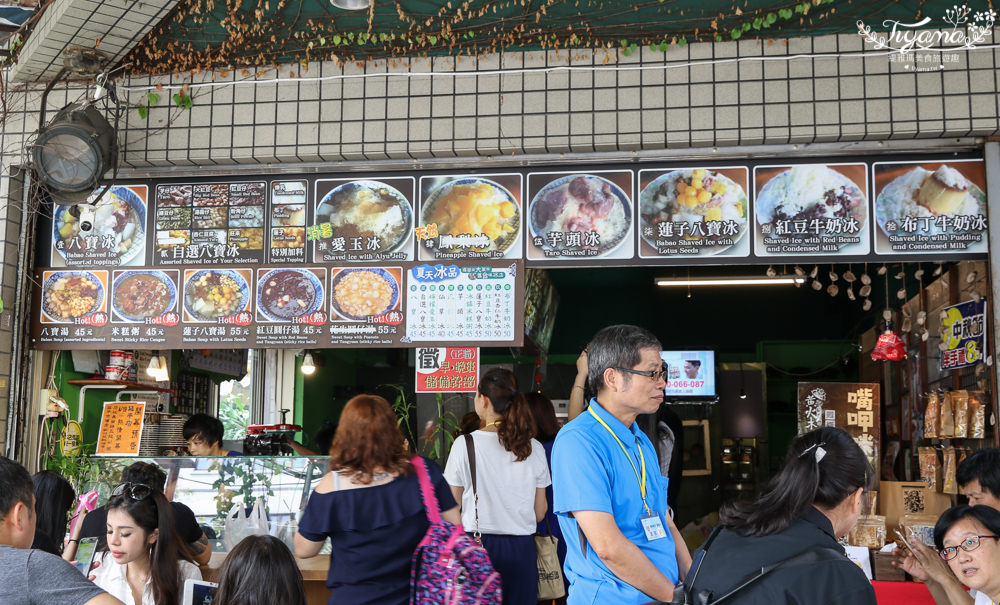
213, 487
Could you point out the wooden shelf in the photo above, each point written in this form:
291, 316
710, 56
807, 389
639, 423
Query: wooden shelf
111, 383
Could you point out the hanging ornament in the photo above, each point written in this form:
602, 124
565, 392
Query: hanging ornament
989, 360
943, 315
866, 291
799, 271
833, 275
921, 318
971, 277
889, 347
901, 275
865, 279
850, 293
867, 305
832, 289
883, 270
817, 285
887, 314
938, 269
770, 271
907, 325
976, 296
919, 274
901, 294
814, 272
924, 335
849, 275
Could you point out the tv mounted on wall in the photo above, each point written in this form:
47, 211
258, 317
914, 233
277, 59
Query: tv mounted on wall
689, 373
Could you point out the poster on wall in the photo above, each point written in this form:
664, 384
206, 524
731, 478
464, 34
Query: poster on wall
447, 369
286, 222
580, 217
691, 212
470, 217
121, 428
109, 232
290, 306
963, 334
209, 223
363, 220
851, 406
935, 207
811, 209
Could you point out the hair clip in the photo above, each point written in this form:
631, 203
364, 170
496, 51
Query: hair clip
820, 452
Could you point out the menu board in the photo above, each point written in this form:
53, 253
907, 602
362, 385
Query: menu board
121, 428
470, 217
109, 232
694, 212
209, 223
363, 220
287, 222
937, 207
467, 303
281, 306
580, 216
811, 209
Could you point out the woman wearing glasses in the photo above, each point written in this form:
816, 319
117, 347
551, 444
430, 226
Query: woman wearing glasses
510, 481
144, 562
966, 537
813, 501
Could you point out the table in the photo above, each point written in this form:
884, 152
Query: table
902, 593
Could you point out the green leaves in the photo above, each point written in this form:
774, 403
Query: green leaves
183, 100
151, 99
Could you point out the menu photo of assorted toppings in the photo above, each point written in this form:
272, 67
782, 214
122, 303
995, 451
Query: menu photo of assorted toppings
216, 295
291, 295
811, 209
144, 296
110, 231
365, 294
74, 297
694, 212
287, 221
936, 206
470, 217
580, 216
362, 220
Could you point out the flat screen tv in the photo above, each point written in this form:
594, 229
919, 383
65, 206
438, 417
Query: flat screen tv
689, 373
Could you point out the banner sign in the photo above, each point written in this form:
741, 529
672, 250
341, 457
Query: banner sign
963, 333
121, 428
447, 369
852, 406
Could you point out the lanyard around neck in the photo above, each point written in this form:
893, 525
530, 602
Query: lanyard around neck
642, 480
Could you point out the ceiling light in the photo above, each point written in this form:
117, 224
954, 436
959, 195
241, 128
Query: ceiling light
74, 151
153, 369
164, 373
351, 5
743, 394
731, 281
308, 366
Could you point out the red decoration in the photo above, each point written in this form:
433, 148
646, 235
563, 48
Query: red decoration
890, 347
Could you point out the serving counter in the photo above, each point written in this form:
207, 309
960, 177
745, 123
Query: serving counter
313, 570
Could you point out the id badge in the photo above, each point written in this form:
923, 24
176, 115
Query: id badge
653, 526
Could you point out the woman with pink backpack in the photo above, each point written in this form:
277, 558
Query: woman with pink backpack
499, 474
370, 506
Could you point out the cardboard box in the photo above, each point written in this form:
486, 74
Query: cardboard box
885, 571
898, 498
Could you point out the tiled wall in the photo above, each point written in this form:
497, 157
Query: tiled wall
821, 89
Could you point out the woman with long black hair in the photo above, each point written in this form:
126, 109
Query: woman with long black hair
813, 501
140, 565
505, 499
54, 498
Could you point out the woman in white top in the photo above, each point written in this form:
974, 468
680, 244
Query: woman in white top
511, 477
144, 563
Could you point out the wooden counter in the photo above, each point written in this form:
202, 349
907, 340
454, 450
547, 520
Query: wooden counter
313, 570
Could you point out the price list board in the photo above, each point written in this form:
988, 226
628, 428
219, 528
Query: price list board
282, 306
121, 428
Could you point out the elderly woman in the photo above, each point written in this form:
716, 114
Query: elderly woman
370, 507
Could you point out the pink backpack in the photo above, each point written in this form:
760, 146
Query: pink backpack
449, 567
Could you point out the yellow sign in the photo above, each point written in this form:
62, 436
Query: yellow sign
121, 428
71, 440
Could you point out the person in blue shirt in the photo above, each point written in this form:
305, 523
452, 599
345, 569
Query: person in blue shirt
622, 547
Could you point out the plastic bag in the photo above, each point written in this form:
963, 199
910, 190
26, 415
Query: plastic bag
977, 415
239, 523
928, 467
961, 401
931, 416
946, 418
949, 485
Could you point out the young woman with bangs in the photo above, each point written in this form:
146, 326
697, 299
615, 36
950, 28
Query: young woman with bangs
147, 564
370, 507
511, 477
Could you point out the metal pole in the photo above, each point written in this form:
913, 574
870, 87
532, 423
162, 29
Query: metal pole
992, 156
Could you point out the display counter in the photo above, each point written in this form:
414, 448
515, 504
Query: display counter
217, 487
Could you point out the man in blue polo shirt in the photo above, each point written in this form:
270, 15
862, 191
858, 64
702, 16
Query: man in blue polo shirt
621, 545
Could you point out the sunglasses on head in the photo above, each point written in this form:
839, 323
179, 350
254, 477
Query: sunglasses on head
136, 491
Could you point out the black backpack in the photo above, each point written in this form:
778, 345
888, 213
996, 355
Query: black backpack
684, 592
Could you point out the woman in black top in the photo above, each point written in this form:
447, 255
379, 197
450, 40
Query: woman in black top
815, 499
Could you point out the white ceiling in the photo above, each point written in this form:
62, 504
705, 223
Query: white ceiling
118, 25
